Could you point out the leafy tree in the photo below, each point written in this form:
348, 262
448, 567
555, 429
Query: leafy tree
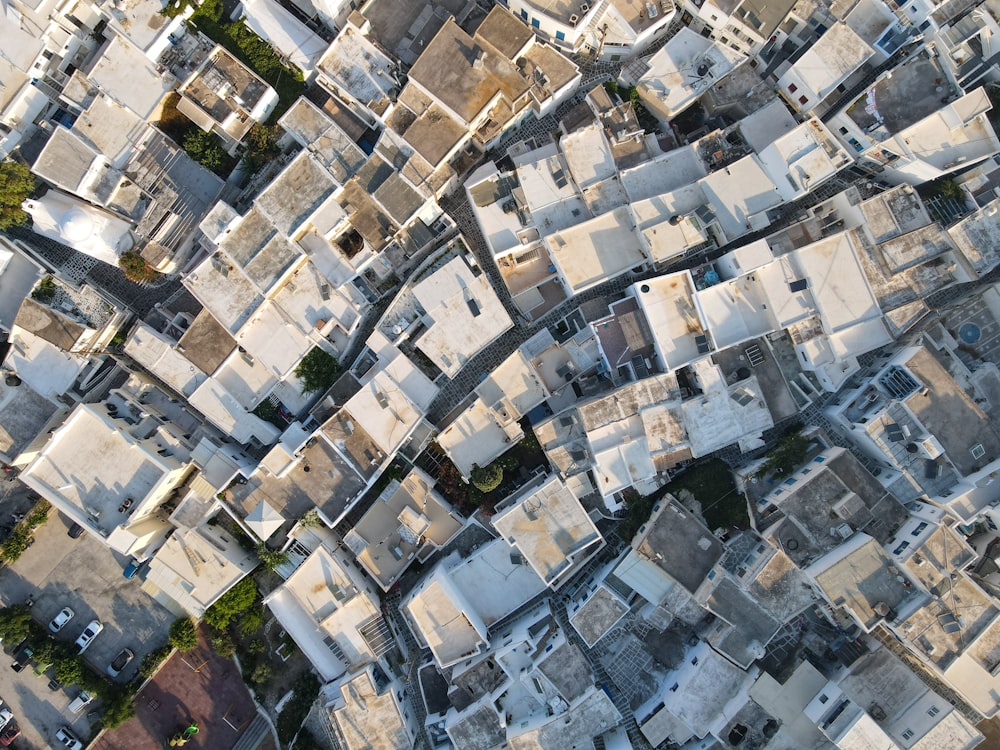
119, 707
486, 478
135, 267
262, 145
183, 636
15, 623
203, 146
261, 674
787, 456
69, 669
16, 184
231, 604
43, 652
317, 371
223, 644
311, 519
252, 621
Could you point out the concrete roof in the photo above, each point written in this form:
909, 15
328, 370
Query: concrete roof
49, 324
588, 156
948, 413
68, 162
465, 313
466, 74
826, 64
576, 728
434, 133
226, 94
740, 194
227, 411
684, 68
158, 354
323, 138
295, 193
493, 584
23, 414
407, 518
551, 529
977, 237
391, 404
477, 436
206, 343
799, 160
514, 383
359, 68
596, 250
227, 294
505, 32
668, 303
18, 276
443, 620
125, 74
477, 729
664, 174
598, 615
767, 124
369, 719
326, 597
860, 576
725, 413
194, 567
72, 470
675, 542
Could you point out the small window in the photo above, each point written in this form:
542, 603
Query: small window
561, 36
803, 99
823, 698
907, 734
673, 688
843, 130
524, 14
535, 23
977, 451
792, 88
933, 711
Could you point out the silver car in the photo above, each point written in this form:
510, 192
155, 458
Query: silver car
88, 635
60, 620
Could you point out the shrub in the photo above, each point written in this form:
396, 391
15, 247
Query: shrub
183, 635
231, 604
295, 711
205, 148
271, 558
255, 647
486, 478
69, 669
223, 644
152, 661
252, 621
790, 452
44, 290
135, 267
261, 674
317, 371
16, 184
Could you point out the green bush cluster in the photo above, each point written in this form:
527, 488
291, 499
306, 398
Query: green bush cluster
152, 661
16, 185
183, 634
135, 267
230, 605
15, 544
297, 708
44, 290
317, 371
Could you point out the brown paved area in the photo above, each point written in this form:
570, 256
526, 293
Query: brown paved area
214, 696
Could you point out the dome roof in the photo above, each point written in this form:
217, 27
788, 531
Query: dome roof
76, 225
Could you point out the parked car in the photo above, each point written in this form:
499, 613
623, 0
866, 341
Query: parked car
60, 620
22, 656
120, 662
88, 635
10, 733
68, 739
75, 531
80, 702
5, 716
132, 568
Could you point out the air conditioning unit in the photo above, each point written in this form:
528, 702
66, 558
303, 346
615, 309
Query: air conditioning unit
574, 19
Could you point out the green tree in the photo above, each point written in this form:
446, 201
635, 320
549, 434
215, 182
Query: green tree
15, 623
183, 636
231, 604
69, 669
317, 371
486, 478
16, 184
119, 707
203, 146
44, 290
223, 644
252, 621
261, 673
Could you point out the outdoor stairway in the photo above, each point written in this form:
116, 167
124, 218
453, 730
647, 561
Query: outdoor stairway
253, 734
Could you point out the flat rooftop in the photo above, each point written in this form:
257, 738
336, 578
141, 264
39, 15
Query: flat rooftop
229, 297
862, 579
588, 156
664, 174
477, 436
943, 629
551, 529
73, 468
296, 193
358, 67
407, 516
598, 615
907, 97
206, 343
827, 63
23, 415
369, 719
672, 317
322, 479
465, 313
676, 542
596, 250
739, 193
442, 621
977, 237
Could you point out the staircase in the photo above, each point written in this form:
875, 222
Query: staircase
254, 734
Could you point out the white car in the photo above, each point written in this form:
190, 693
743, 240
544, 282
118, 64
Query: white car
5, 716
88, 635
60, 620
68, 739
